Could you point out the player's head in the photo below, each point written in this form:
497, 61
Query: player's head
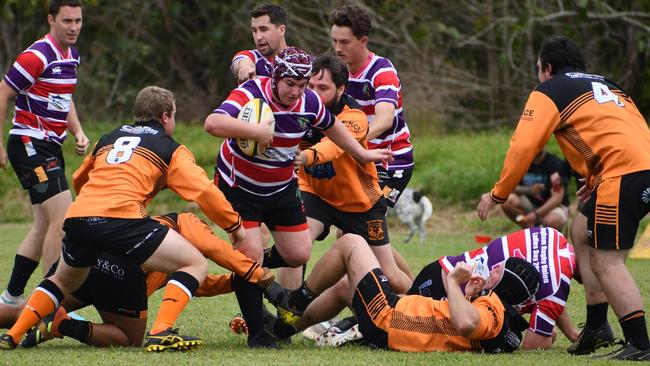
519, 283
350, 30
65, 20
268, 24
510, 336
329, 79
291, 73
558, 52
156, 104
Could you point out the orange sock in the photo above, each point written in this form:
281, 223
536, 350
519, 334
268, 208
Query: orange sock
38, 306
174, 301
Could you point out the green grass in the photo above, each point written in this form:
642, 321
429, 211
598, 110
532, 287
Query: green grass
209, 317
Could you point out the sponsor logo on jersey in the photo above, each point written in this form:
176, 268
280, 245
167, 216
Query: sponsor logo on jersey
645, 196
139, 130
59, 102
57, 70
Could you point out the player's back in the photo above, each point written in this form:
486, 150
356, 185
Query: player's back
126, 169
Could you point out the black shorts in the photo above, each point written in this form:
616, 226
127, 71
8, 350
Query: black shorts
38, 165
429, 282
373, 298
393, 183
131, 240
371, 225
282, 211
614, 210
116, 287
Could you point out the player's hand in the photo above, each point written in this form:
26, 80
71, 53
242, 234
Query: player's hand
300, 159
237, 236
584, 193
264, 135
537, 188
461, 273
81, 143
370, 156
267, 278
484, 206
3, 157
529, 220
245, 70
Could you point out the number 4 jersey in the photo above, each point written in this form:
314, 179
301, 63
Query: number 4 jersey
130, 165
596, 124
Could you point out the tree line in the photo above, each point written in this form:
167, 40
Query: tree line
464, 65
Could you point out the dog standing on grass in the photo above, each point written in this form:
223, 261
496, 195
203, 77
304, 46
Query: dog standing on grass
413, 209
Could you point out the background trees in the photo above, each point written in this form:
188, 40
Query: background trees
466, 64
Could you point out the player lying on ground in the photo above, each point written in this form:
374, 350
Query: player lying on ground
473, 320
125, 317
116, 182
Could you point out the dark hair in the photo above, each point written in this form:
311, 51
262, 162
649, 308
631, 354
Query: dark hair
55, 5
276, 14
352, 17
335, 65
560, 52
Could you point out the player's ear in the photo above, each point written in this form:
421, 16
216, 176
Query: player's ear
364, 40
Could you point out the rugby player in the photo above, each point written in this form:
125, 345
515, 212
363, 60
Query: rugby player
375, 85
264, 188
466, 321
116, 182
606, 140
268, 25
43, 79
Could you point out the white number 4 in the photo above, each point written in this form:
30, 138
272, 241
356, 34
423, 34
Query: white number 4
122, 149
602, 94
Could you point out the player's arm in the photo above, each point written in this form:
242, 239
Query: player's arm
567, 327
340, 136
74, 126
537, 123
243, 66
384, 114
557, 194
80, 176
463, 314
6, 93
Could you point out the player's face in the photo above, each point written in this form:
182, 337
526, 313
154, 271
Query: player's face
65, 27
347, 46
290, 90
324, 86
496, 274
169, 121
267, 36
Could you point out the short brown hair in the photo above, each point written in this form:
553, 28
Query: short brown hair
276, 14
56, 5
352, 17
151, 102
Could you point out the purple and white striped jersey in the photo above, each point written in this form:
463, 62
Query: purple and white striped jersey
263, 65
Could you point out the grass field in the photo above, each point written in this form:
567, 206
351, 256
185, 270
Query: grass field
451, 231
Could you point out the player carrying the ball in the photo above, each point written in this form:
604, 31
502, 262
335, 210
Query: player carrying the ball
263, 188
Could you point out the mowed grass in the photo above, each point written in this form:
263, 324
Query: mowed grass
450, 232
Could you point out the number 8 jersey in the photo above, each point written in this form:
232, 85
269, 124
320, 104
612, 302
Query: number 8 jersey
596, 124
130, 165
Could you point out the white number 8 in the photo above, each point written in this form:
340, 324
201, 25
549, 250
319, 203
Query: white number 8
602, 94
122, 149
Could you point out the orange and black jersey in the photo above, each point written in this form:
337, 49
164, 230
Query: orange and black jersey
597, 125
130, 165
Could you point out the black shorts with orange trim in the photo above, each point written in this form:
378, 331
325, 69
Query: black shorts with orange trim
372, 304
39, 166
131, 240
615, 208
116, 287
282, 211
393, 183
371, 225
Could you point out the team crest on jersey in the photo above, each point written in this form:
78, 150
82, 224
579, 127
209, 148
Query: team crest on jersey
375, 230
645, 196
59, 102
366, 90
303, 123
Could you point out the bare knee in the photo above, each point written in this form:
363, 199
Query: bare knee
298, 257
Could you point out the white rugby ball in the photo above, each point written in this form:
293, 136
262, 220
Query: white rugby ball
255, 111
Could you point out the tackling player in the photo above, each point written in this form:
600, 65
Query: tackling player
268, 25
43, 79
375, 85
116, 182
606, 140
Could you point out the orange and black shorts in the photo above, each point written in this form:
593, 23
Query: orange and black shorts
371, 225
373, 304
615, 208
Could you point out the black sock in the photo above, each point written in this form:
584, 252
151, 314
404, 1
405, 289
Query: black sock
301, 298
635, 330
80, 330
23, 269
273, 259
282, 330
596, 315
249, 297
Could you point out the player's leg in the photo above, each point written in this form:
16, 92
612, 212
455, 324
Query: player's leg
117, 330
557, 218
399, 280
512, 207
402, 263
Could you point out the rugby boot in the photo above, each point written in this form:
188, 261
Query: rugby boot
7, 342
335, 337
47, 329
238, 325
279, 297
590, 340
263, 339
170, 340
627, 352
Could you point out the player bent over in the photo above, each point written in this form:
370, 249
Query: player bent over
470, 320
116, 182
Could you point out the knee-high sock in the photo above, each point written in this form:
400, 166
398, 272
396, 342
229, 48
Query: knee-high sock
249, 297
23, 269
178, 292
43, 301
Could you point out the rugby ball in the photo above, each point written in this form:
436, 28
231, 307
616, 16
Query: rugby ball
255, 111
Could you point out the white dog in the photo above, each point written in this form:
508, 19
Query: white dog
414, 210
